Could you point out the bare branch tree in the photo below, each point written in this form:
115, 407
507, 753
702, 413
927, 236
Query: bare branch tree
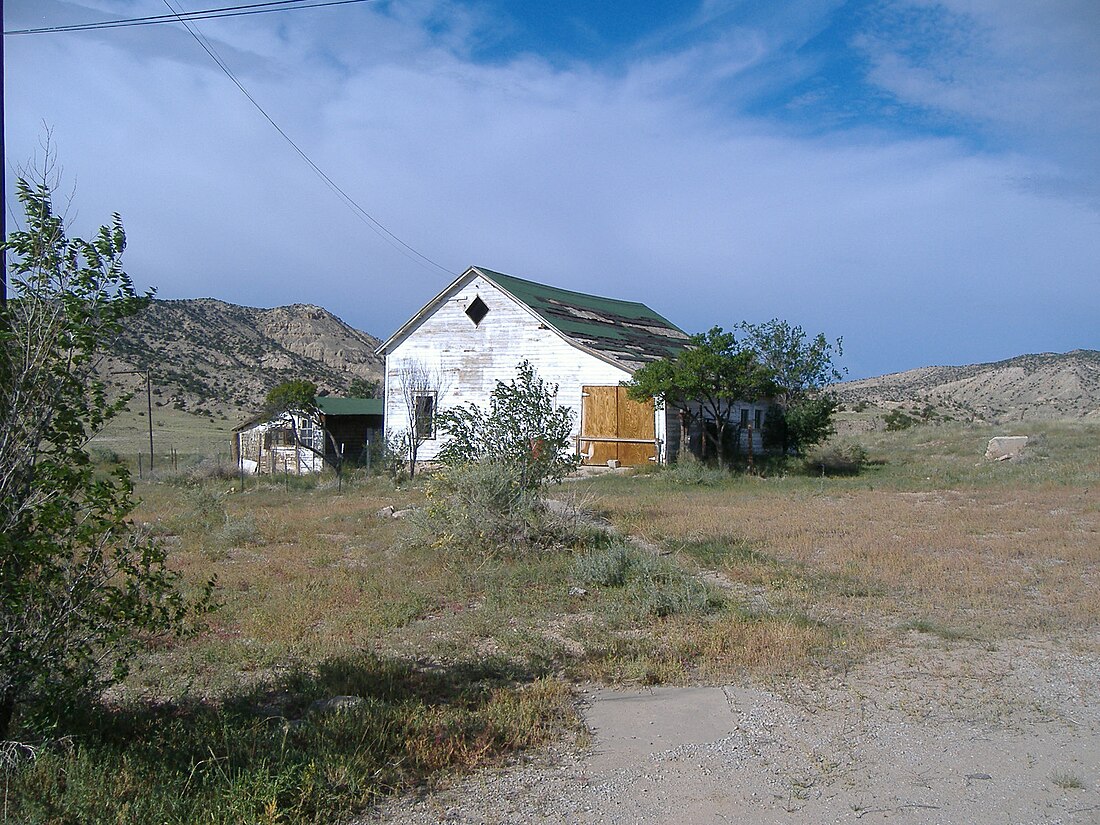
421, 387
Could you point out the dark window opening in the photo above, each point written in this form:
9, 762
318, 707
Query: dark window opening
279, 438
477, 310
744, 417
424, 415
757, 418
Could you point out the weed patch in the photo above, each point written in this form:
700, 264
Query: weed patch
935, 629
656, 586
283, 753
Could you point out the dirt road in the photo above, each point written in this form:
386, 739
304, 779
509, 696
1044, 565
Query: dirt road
933, 732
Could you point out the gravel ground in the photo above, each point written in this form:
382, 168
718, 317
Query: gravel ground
930, 733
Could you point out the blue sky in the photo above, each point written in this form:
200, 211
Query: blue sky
919, 177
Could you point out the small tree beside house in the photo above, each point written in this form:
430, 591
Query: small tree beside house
801, 368
294, 405
420, 389
708, 384
300, 431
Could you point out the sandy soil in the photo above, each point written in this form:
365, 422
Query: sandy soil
933, 732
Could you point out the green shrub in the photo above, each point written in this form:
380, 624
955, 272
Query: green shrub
690, 471
605, 566
660, 587
899, 420
523, 429
654, 585
837, 460
480, 509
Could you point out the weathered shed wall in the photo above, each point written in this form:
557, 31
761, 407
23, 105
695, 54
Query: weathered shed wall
471, 358
268, 447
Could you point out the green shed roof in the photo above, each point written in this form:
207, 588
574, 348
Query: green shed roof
627, 331
331, 405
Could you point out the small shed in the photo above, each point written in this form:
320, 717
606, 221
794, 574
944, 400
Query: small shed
348, 427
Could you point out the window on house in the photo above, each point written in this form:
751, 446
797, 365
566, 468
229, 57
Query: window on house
744, 417
424, 415
757, 418
311, 436
477, 310
282, 437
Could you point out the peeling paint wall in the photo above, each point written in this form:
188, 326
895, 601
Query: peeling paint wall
471, 358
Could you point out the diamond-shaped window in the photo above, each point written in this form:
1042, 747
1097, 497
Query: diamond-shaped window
477, 310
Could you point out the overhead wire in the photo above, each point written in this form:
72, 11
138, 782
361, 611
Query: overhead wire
186, 18
364, 216
201, 14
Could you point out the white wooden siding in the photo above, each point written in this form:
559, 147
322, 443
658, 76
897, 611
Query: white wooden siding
470, 359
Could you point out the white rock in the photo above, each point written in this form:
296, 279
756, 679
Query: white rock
1002, 447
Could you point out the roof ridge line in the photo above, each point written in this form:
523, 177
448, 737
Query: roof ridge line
487, 272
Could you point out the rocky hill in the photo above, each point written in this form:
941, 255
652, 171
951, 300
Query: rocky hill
213, 358
1044, 386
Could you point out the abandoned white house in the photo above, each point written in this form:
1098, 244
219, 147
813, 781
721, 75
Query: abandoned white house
345, 427
476, 332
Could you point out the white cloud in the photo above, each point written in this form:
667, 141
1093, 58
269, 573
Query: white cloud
1026, 74
619, 181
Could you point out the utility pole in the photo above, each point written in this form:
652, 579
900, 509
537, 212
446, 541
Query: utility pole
148, 400
3, 175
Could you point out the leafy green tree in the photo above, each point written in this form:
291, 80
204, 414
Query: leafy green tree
706, 382
802, 368
78, 585
297, 395
522, 430
363, 388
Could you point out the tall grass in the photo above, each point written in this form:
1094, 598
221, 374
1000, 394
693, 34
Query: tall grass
274, 754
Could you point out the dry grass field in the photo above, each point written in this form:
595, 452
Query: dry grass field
459, 660
192, 437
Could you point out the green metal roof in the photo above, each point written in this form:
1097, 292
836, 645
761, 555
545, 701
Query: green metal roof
330, 405
628, 331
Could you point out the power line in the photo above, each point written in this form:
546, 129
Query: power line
202, 14
358, 210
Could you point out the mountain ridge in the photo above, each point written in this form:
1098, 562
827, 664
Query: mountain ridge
216, 359
211, 357
1044, 385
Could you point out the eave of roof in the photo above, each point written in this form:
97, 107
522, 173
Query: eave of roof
328, 405
332, 405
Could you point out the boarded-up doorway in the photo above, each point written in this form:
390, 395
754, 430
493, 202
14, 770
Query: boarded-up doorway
615, 427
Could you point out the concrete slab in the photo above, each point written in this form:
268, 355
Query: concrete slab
630, 726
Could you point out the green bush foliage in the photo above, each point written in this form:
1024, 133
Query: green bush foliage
655, 586
487, 499
482, 509
837, 460
899, 420
77, 586
523, 432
